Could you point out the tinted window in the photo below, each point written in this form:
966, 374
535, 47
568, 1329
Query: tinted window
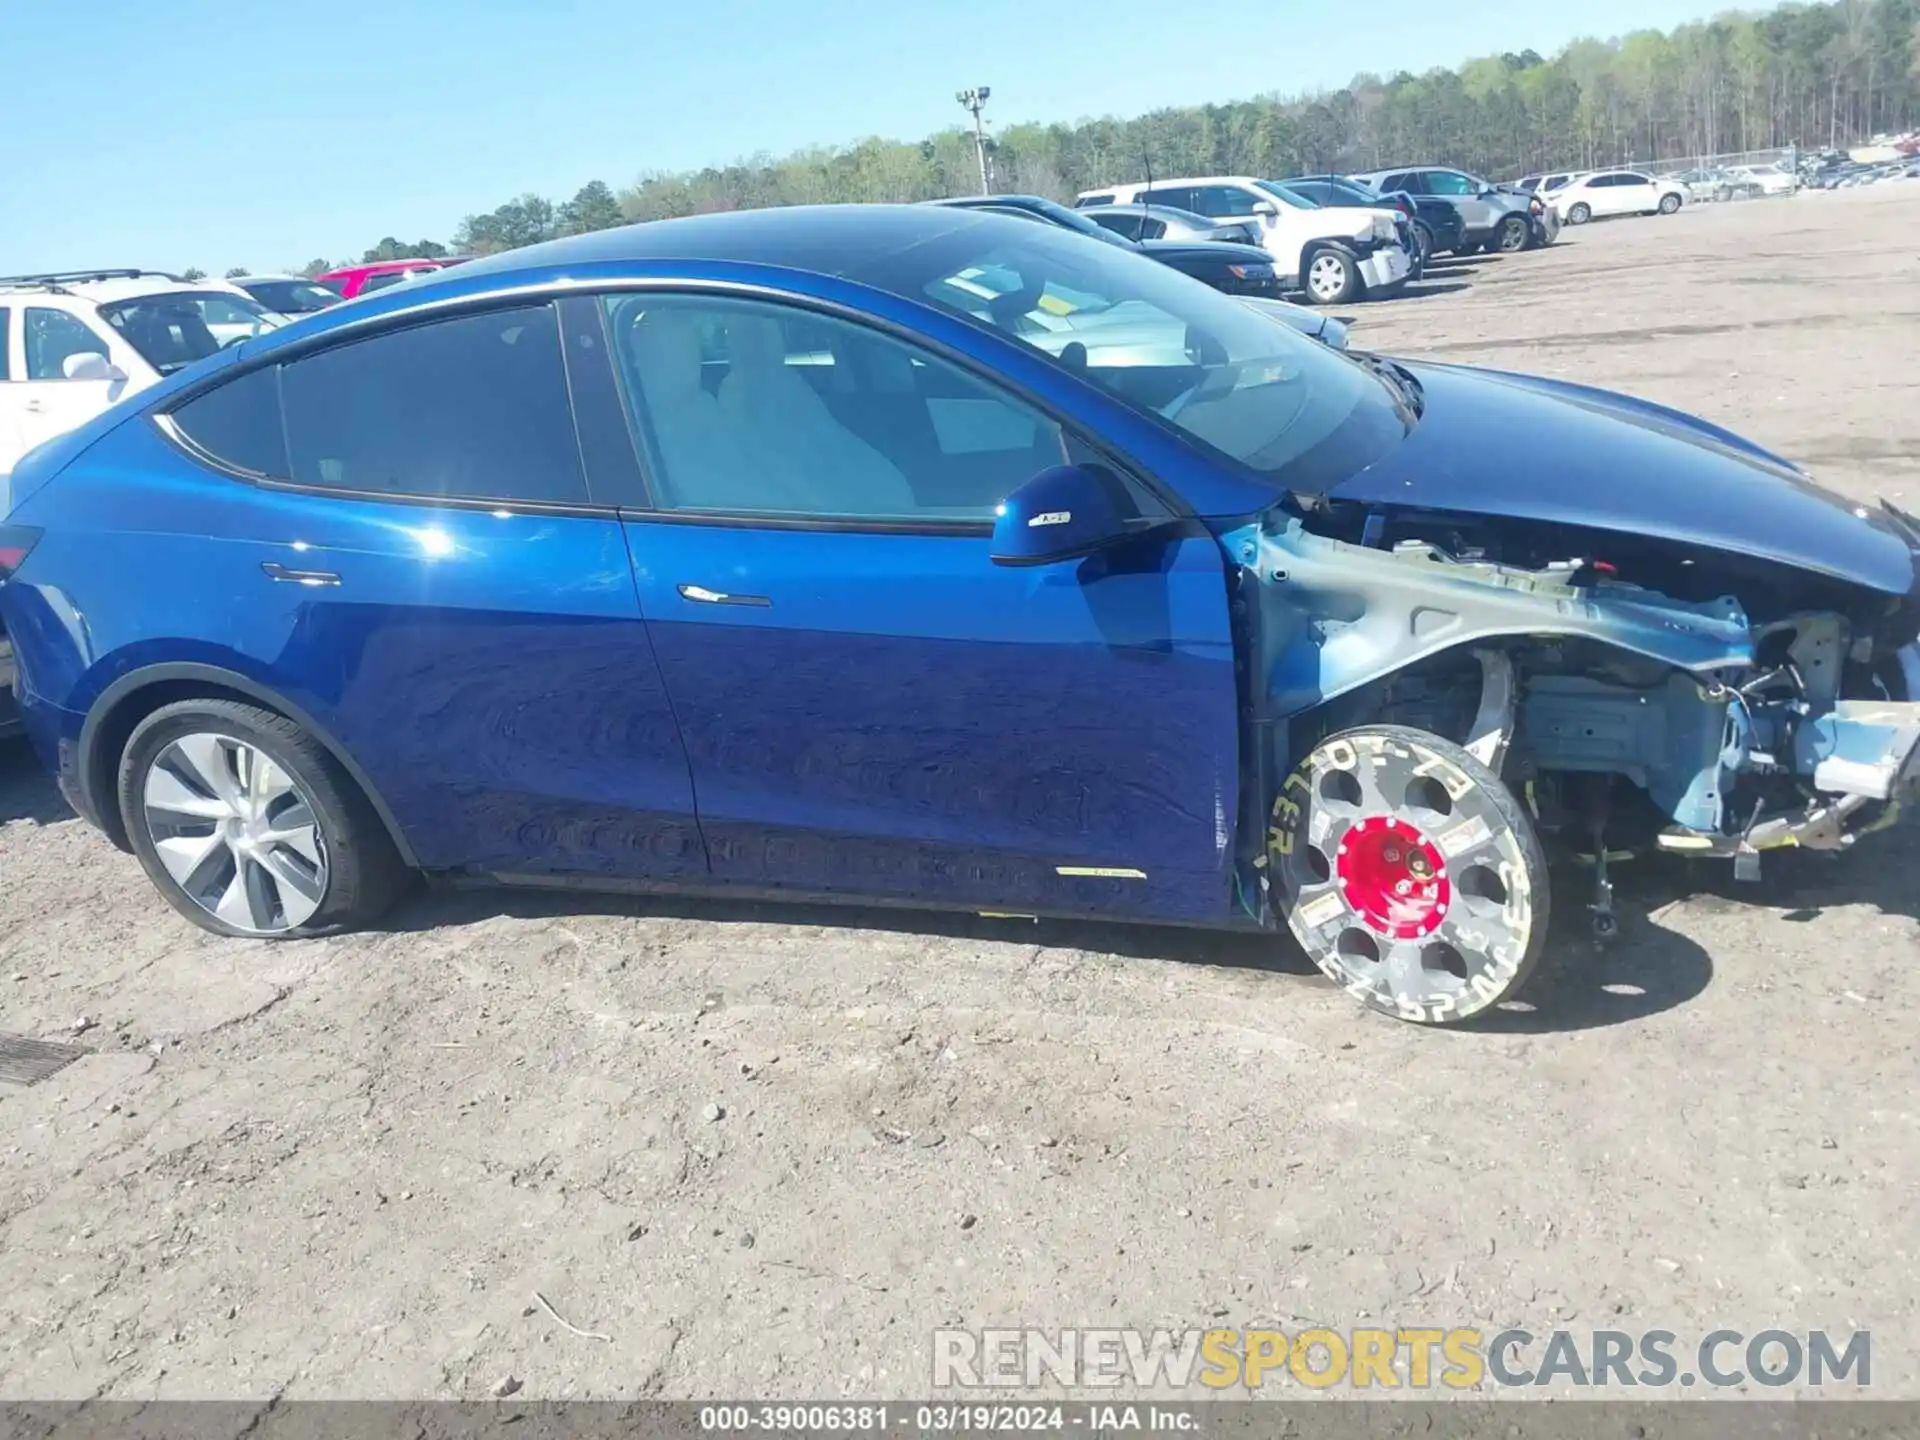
1152, 230
382, 282
239, 423
1085, 200
1126, 222
1632, 179
748, 407
173, 329
291, 297
1450, 182
474, 407
52, 336
6, 343
1412, 184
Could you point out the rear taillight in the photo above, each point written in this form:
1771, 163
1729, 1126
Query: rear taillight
16, 542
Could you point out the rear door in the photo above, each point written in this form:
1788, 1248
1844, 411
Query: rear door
423, 567
871, 706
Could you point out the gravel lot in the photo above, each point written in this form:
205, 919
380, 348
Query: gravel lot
766, 1151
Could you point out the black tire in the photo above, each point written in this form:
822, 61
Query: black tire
1329, 276
1398, 859
1669, 204
359, 872
1515, 233
1422, 248
1580, 214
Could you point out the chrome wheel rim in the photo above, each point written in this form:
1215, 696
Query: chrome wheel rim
1514, 237
235, 832
1327, 277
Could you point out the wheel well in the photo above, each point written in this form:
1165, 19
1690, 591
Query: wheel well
104, 742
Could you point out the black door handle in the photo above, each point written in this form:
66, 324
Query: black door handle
276, 571
701, 595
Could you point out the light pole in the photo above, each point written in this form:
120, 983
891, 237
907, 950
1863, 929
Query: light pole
975, 100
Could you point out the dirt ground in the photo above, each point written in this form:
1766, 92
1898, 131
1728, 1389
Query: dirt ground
764, 1152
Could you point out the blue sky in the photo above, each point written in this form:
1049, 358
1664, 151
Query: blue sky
169, 133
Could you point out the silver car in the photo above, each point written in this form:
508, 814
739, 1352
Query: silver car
1168, 222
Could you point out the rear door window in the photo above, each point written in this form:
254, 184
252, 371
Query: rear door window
239, 424
1180, 197
1220, 202
6, 343
474, 407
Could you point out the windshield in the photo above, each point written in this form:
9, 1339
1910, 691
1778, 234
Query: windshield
1278, 403
177, 327
291, 297
1286, 196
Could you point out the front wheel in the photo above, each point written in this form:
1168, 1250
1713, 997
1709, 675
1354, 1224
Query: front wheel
246, 825
1669, 204
1409, 874
1422, 250
1514, 234
1580, 214
1331, 277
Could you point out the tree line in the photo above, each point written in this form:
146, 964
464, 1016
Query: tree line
1805, 74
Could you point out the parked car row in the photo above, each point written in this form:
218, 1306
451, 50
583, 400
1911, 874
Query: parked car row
1334, 238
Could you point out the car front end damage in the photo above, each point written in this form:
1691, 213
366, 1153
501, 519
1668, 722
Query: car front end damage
1723, 717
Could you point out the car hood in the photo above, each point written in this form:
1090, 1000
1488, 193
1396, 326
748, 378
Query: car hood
1219, 252
1611, 462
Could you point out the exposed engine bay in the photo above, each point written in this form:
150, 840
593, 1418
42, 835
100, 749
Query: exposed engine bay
1699, 701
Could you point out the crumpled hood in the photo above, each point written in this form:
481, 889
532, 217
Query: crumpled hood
1493, 443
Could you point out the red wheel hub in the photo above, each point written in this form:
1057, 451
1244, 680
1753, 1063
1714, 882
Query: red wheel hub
1393, 878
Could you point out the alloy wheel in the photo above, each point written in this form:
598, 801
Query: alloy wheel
236, 833
1513, 235
1327, 277
1409, 875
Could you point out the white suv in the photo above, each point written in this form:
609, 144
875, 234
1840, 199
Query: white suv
1333, 253
72, 344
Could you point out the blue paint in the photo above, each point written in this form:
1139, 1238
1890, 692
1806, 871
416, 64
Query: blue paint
862, 712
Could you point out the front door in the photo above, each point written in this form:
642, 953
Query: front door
870, 705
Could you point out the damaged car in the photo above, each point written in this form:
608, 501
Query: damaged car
793, 554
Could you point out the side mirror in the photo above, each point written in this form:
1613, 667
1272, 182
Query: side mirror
1265, 208
90, 366
1062, 513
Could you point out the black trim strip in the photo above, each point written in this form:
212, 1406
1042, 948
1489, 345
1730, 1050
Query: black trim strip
855, 524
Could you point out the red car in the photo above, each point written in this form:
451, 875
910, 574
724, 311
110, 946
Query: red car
352, 280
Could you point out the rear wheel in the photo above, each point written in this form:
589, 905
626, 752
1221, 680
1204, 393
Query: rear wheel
1422, 249
1514, 234
1409, 874
248, 827
1330, 277
1580, 214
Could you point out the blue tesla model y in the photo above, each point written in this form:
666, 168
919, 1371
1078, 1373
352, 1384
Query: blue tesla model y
921, 556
